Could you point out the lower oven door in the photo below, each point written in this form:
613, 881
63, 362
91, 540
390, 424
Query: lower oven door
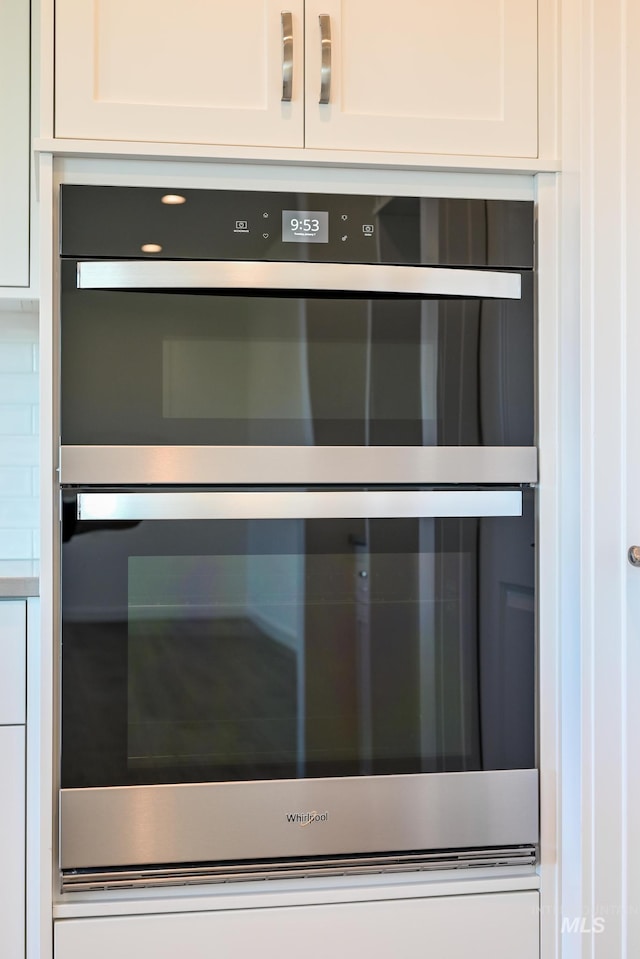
251, 676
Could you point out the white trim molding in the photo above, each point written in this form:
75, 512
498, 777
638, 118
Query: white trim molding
596, 912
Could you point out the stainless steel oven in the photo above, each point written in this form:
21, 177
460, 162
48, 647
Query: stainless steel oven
298, 537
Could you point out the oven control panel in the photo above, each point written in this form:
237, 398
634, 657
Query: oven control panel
149, 222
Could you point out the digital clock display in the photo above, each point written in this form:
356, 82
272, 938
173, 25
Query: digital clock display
305, 226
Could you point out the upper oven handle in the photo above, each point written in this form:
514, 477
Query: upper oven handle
334, 277
294, 504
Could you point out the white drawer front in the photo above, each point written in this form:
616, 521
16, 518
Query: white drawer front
12, 825
13, 625
493, 926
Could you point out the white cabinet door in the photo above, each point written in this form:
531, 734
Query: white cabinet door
12, 825
193, 71
495, 926
412, 76
13, 624
425, 76
14, 143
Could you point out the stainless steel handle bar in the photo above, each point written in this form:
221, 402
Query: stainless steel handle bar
286, 276
316, 504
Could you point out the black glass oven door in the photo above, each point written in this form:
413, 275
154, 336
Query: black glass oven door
163, 354
239, 636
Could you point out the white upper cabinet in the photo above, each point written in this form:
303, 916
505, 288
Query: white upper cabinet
183, 71
14, 143
411, 76
424, 76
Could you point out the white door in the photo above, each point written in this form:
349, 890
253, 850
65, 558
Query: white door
193, 71
423, 76
600, 649
630, 197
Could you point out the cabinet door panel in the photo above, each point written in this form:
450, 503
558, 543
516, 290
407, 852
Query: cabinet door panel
12, 842
496, 926
14, 143
188, 72
13, 626
429, 77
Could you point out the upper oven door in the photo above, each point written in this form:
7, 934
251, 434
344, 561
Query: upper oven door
279, 371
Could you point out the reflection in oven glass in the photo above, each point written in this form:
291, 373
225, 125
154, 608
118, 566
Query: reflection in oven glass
213, 648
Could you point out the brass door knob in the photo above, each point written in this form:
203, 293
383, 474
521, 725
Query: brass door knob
634, 555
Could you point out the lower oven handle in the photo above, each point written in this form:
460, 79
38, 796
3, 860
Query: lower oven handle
322, 277
316, 504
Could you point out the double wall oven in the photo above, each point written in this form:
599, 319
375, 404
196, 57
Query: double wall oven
298, 626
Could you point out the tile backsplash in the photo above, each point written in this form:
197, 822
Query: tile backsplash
19, 510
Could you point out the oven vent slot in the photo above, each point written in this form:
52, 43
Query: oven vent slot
84, 880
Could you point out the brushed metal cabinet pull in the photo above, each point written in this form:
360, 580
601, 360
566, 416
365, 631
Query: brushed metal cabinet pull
287, 55
325, 61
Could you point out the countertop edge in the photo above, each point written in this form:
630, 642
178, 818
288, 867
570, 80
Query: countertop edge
19, 587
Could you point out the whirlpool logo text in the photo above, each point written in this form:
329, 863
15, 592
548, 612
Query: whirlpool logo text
307, 818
